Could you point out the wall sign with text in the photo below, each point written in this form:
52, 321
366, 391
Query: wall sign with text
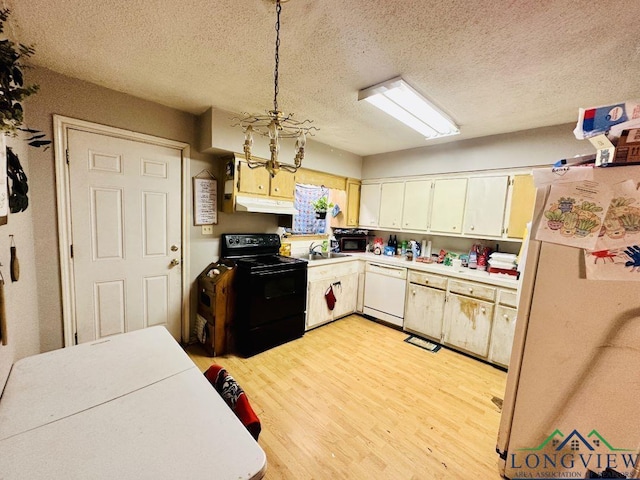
205, 200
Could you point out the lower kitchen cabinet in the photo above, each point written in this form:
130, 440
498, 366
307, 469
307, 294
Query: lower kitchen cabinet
504, 326
342, 278
473, 317
424, 311
317, 311
345, 289
468, 324
468, 316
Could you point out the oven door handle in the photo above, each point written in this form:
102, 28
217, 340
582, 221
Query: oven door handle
278, 272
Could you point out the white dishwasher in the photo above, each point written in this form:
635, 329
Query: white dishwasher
384, 291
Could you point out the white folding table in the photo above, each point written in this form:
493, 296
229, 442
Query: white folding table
132, 406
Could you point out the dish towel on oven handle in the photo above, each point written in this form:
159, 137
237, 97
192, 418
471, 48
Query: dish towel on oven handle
235, 398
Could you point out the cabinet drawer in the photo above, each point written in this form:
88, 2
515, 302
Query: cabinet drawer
508, 298
330, 270
345, 268
320, 272
430, 280
475, 290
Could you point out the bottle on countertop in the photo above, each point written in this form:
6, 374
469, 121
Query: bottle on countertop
473, 257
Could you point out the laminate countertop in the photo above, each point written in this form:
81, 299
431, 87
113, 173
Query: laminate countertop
500, 280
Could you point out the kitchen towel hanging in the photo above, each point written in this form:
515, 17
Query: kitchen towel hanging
330, 297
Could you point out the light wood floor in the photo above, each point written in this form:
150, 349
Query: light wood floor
353, 400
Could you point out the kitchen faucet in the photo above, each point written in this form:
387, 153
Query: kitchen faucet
312, 249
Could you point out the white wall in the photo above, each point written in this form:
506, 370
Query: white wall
217, 134
541, 146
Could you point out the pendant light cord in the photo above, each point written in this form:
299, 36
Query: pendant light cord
275, 73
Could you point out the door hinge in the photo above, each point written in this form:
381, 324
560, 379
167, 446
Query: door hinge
66, 152
71, 250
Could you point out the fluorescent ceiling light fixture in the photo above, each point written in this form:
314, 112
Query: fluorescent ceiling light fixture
396, 98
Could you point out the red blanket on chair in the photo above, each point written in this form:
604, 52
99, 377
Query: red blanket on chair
235, 397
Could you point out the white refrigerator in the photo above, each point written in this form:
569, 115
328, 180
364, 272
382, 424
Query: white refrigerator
572, 400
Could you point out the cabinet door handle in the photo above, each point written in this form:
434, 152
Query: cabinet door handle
472, 227
260, 187
506, 316
483, 310
426, 281
276, 189
413, 292
471, 290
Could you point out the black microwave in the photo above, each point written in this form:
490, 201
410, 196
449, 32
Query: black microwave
352, 244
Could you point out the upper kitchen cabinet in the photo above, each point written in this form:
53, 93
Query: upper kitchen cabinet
391, 202
447, 208
484, 211
283, 185
253, 189
523, 196
254, 181
369, 205
353, 202
257, 181
417, 205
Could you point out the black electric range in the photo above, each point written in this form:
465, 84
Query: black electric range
271, 291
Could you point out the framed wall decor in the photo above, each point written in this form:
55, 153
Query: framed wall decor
205, 199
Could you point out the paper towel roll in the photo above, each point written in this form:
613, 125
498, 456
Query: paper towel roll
423, 250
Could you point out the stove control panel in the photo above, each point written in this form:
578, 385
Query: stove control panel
234, 244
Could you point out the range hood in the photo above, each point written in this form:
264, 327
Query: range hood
264, 205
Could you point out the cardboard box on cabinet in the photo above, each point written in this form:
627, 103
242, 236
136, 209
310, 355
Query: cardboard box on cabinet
628, 149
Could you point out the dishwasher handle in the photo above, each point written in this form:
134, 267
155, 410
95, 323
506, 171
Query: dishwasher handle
387, 270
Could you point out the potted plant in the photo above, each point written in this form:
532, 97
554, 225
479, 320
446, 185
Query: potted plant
12, 87
13, 91
321, 206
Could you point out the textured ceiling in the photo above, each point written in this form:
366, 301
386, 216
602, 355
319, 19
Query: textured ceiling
494, 66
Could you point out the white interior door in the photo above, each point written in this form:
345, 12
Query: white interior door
126, 234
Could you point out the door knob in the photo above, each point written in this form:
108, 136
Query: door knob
175, 262
174, 248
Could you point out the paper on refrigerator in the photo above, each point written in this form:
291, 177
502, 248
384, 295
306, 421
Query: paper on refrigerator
616, 255
574, 213
563, 174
